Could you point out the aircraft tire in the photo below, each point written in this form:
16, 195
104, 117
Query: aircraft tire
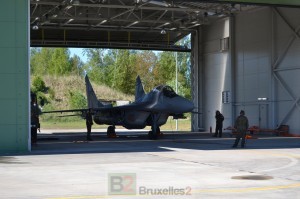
111, 131
152, 136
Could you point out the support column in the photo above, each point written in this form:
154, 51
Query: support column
14, 76
197, 81
232, 55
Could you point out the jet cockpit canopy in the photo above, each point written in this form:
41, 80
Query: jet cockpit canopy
166, 90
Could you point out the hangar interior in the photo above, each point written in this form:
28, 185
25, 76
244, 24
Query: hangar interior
244, 52
249, 61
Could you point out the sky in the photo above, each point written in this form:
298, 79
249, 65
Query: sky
78, 52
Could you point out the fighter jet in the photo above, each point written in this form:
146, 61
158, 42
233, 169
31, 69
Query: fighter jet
151, 109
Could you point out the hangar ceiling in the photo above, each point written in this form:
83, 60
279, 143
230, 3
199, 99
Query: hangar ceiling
134, 24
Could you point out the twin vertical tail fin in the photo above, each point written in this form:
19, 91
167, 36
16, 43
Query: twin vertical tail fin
139, 90
93, 102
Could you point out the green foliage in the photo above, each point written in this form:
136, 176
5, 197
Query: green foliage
145, 63
54, 61
77, 100
38, 85
39, 60
125, 73
51, 93
39, 88
60, 62
41, 98
164, 71
77, 65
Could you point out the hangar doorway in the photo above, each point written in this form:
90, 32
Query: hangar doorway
66, 89
263, 116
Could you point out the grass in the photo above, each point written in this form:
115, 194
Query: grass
64, 84
183, 125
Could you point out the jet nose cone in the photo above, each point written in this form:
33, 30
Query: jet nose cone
185, 105
190, 105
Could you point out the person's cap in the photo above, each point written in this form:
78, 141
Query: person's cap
242, 112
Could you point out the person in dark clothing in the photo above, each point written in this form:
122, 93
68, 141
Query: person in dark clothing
35, 111
219, 124
89, 123
241, 125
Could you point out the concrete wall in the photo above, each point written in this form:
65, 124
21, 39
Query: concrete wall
263, 61
14, 76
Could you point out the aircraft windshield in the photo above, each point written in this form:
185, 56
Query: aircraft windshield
169, 92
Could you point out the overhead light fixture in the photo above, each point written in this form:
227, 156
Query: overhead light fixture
173, 28
192, 26
222, 15
262, 98
70, 20
131, 24
102, 22
162, 25
35, 27
163, 31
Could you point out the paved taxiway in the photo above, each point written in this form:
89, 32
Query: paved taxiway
185, 165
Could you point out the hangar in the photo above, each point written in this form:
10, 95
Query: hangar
245, 54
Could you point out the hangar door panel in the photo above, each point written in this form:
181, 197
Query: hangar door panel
263, 116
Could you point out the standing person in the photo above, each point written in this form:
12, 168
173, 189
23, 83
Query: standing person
241, 125
219, 124
89, 123
35, 122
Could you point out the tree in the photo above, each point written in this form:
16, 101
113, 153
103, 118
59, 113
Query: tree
40, 60
77, 65
60, 62
145, 63
164, 71
99, 65
53, 61
184, 68
125, 73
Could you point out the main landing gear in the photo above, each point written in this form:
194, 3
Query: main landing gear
155, 130
153, 135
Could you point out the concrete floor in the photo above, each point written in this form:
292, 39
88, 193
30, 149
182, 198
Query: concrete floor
186, 165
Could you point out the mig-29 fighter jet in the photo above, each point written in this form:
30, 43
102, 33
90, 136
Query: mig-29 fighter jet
151, 109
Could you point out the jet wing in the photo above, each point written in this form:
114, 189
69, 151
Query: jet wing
141, 106
66, 111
